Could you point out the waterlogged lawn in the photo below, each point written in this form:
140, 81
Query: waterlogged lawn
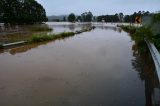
28, 32
19, 33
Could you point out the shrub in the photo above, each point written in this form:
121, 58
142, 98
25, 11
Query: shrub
129, 29
41, 38
45, 37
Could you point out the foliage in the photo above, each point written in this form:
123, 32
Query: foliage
87, 16
129, 29
71, 17
79, 18
108, 18
139, 38
131, 18
45, 37
22, 12
149, 31
120, 15
143, 32
156, 18
40, 38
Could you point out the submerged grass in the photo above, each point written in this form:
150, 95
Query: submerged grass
45, 37
65, 34
40, 38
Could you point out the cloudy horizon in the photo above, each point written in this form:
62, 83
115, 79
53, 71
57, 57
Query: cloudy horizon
97, 7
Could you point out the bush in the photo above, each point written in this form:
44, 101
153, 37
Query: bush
45, 37
65, 34
149, 31
129, 29
143, 32
41, 38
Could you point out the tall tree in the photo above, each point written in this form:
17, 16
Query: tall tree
22, 11
108, 18
71, 17
1, 10
87, 16
79, 19
121, 17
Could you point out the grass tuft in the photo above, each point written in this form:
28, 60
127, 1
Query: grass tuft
45, 37
40, 38
129, 29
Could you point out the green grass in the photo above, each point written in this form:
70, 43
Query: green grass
45, 37
147, 33
129, 29
141, 33
40, 38
65, 34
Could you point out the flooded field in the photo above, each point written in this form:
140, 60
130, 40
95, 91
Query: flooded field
9, 34
97, 68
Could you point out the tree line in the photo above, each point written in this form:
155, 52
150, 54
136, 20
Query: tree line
131, 18
118, 17
21, 12
108, 18
84, 17
123, 18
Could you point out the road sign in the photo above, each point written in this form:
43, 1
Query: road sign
138, 20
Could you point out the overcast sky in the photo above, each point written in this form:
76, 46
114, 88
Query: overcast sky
98, 7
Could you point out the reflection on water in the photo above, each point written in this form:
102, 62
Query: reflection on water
68, 27
27, 47
15, 33
143, 63
62, 27
24, 48
110, 28
97, 68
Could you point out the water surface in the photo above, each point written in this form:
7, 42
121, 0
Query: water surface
96, 68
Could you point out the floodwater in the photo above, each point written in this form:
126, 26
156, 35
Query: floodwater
96, 68
59, 27
9, 34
